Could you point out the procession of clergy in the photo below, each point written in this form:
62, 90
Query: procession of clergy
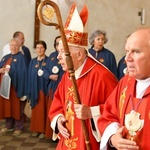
105, 107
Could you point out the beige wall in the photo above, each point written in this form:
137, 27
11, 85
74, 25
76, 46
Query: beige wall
118, 18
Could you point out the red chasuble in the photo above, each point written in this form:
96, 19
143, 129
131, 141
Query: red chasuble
94, 85
121, 104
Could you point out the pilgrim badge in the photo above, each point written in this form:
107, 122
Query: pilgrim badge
133, 122
55, 69
40, 72
43, 64
15, 60
52, 58
101, 60
36, 66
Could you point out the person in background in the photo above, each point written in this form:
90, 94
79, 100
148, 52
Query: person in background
37, 90
55, 73
106, 57
122, 68
55, 68
94, 82
11, 108
25, 50
125, 120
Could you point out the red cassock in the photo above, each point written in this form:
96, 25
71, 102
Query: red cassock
120, 104
95, 84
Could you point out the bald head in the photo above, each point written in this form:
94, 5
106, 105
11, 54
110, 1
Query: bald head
140, 36
138, 53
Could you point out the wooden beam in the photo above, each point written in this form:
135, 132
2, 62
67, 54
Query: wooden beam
36, 23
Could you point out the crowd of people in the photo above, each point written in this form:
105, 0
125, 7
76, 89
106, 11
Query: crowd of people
31, 79
106, 107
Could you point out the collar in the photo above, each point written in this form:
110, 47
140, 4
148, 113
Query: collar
141, 87
79, 70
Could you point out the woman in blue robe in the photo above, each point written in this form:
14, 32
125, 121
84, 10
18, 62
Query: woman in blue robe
38, 90
99, 52
55, 73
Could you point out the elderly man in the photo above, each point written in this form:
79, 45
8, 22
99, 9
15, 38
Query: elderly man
126, 116
94, 82
25, 50
11, 108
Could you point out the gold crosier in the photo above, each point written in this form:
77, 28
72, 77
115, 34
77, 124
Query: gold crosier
46, 11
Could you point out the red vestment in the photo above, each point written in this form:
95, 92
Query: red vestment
95, 84
120, 103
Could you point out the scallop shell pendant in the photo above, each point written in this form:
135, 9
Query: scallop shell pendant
40, 72
133, 123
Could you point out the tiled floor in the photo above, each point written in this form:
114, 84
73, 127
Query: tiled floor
25, 141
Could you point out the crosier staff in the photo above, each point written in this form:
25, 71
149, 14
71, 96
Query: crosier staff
48, 14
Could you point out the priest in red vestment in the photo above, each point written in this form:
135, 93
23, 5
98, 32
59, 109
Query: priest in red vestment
125, 121
94, 82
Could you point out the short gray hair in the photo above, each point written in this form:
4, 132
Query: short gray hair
95, 34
